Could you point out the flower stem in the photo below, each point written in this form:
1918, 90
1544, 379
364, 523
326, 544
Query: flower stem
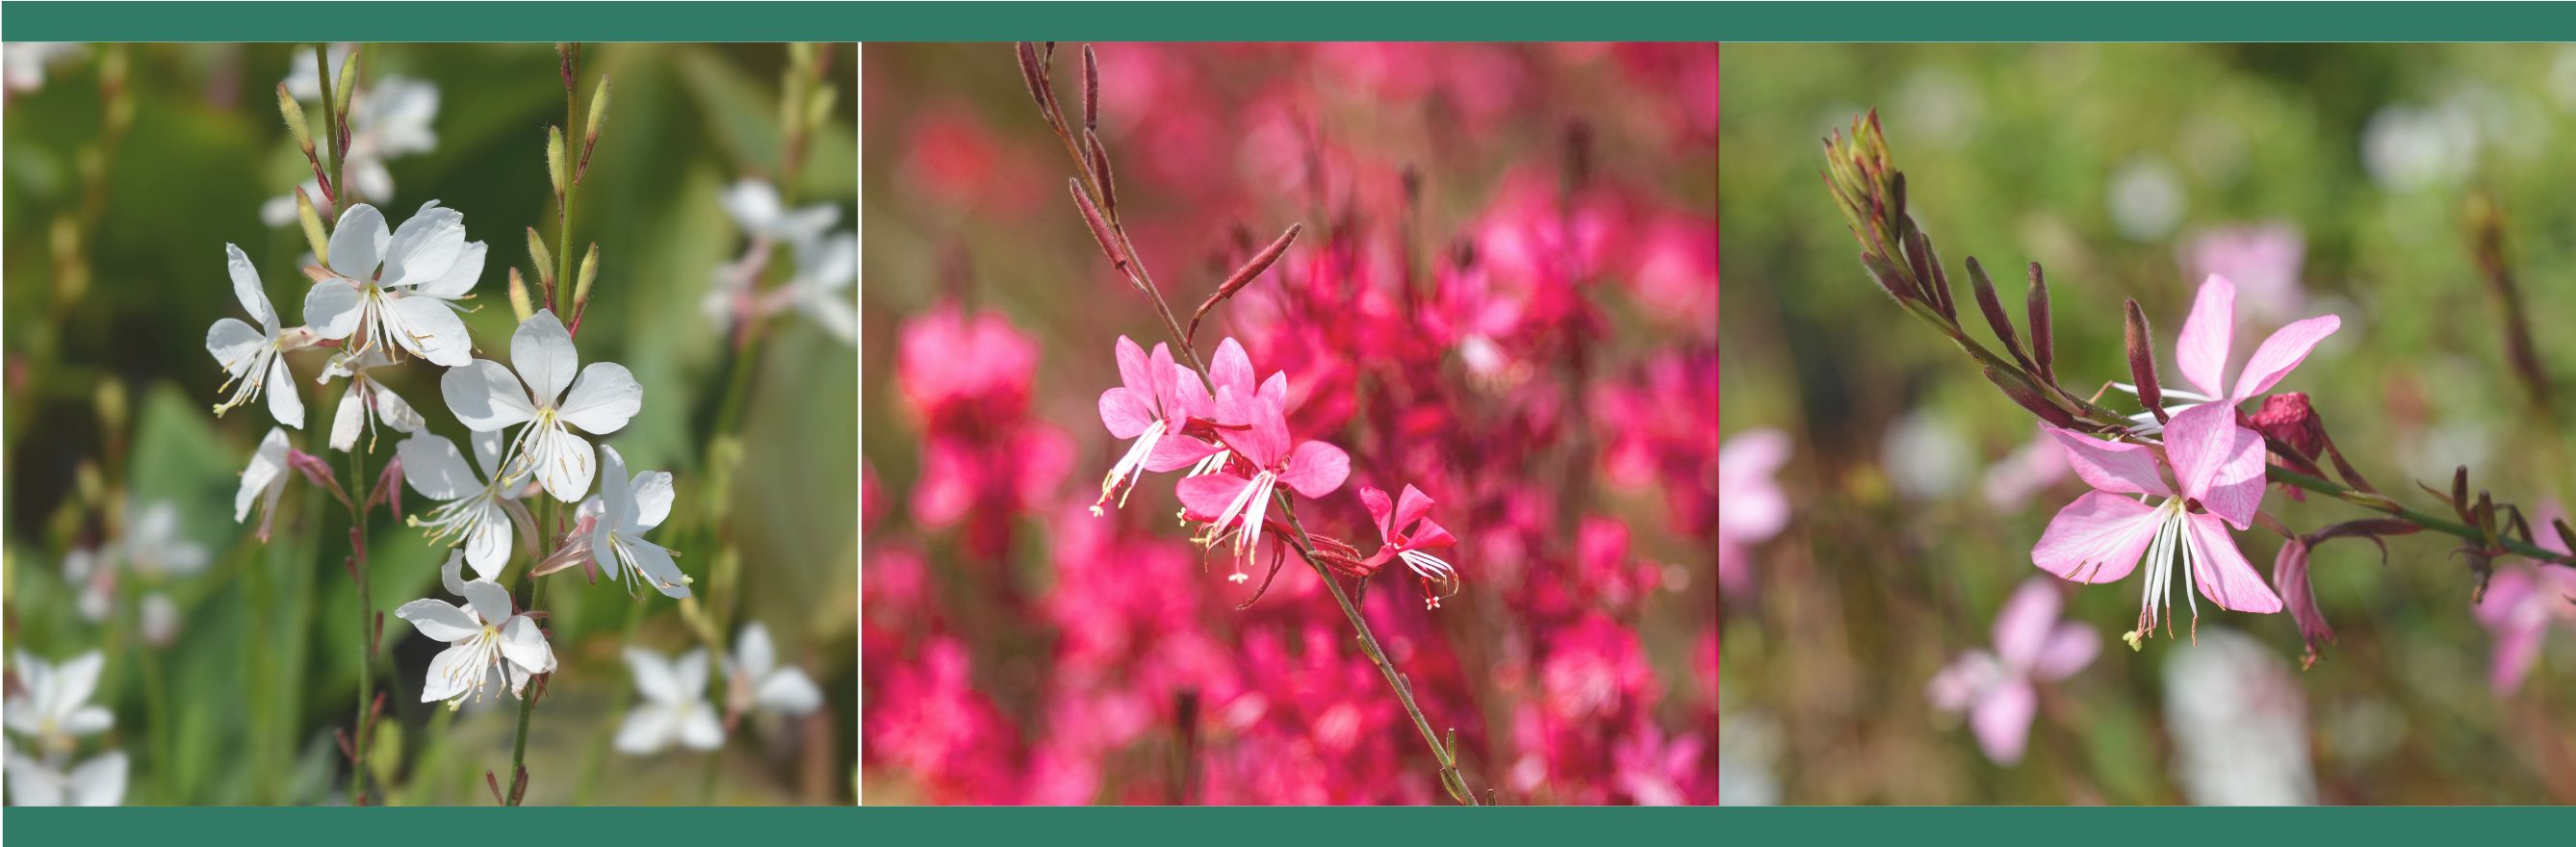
527, 703
2389, 507
358, 742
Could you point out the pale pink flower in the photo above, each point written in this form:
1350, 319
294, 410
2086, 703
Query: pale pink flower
1152, 408
2520, 604
2032, 468
2102, 535
1753, 507
1999, 690
2262, 259
2201, 352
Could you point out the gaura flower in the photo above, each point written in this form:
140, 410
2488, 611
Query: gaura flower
396, 289
263, 481
756, 681
1150, 409
1235, 506
391, 118
100, 781
366, 394
475, 508
1756, 508
51, 709
23, 63
824, 268
675, 705
489, 643
1229, 368
628, 508
755, 207
1998, 689
253, 359
487, 397
1405, 525
2520, 604
2102, 535
2201, 353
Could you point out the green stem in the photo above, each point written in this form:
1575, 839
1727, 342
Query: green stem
366, 627
527, 708
2390, 508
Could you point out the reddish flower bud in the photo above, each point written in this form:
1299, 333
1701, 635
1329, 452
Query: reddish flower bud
2142, 363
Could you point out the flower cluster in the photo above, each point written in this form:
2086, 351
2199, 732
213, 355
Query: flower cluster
48, 714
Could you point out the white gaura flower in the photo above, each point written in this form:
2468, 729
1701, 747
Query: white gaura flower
675, 705
153, 547
487, 397
303, 79
253, 358
824, 269
489, 644
366, 393
757, 682
386, 290
100, 781
475, 509
391, 119
263, 481
755, 206
23, 63
627, 509
51, 709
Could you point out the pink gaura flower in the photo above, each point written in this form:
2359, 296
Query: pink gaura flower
2202, 350
1755, 508
1406, 526
1229, 370
2520, 604
1999, 690
2102, 535
1152, 408
1236, 506
2262, 259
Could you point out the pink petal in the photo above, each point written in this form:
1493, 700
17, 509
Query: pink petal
2116, 467
2517, 649
1410, 506
2219, 463
2098, 538
1158, 369
1124, 412
1379, 509
1269, 441
1235, 414
1131, 367
1205, 496
1955, 686
2069, 649
1189, 395
1276, 388
2002, 720
2505, 594
2222, 572
2280, 354
1174, 452
1429, 535
1231, 368
2202, 349
1316, 469
2023, 626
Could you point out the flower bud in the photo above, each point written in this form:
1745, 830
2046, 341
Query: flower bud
818, 106
2043, 337
342, 86
295, 124
589, 271
1101, 175
520, 308
112, 406
1099, 226
544, 259
2036, 404
598, 115
1032, 72
1992, 307
1090, 89
312, 223
2142, 363
555, 161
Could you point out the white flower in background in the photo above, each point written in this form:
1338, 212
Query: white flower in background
51, 709
152, 547
253, 359
393, 289
488, 397
303, 79
489, 644
2146, 199
824, 270
2239, 724
91, 570
100, 781
23, 63
675, 705
628, 508
160, 619
391, 119
263, 481
758, 682
366, 393
475, 508
2407, 147
755, 206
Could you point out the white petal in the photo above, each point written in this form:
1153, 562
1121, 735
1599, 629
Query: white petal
491, 602
347, 419
441, 621
430, 329
396, 412
653, 676
76, 679
567, 469
424, 247
699, 729
332, 307
488, 546
283, 403
485, 396
451, 673
648, 728
235, 346
92, 720
265, 466
487, 452
603, 399
652, 493
541, 351
98, 782
434, 468
753, 655
689, 674
246, 287
452, 574
788, 692
357, 245
460, 277
525, 645
655, 566
33, 784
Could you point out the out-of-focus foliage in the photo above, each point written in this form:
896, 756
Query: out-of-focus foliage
2109, 164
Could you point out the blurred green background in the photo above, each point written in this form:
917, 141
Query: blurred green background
2108, 164
128, 171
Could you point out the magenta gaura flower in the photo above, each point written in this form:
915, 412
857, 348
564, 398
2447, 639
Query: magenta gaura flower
1999, 689
2213, 479
1406, 527
2520, 604
1151, 410
1235, 503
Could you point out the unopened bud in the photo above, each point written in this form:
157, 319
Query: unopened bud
1090, 89
1031, 72
818, 106
589, 271
347, 82
2043, 337
598, 110
520, 308
1099, 225
312, 222
295, 124
555, 160
544, 259
2142, 363
1992, 307
1101, 174
111, 405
